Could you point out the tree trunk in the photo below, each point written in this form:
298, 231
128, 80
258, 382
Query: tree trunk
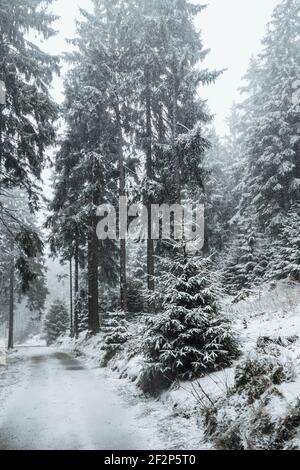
71, 300
11, 301
176, 156
122, 193
174, 137
1, 146
93, 301
149, 173
76, 283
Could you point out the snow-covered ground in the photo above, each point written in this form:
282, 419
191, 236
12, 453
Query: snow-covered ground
271, 315
51, 400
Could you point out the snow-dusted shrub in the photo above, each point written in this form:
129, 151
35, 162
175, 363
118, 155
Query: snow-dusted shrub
254, 413
190, 337
271, 343
288, 429
223, 427
57, 322
116, 335
259, 372
240, 427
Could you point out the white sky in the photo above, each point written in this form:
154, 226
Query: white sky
232, 29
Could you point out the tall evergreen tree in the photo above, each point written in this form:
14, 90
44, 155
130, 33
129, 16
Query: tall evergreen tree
57, 322
106, 50
22, 269
170, 52
28, 113
185, 111
286, 251
271, 121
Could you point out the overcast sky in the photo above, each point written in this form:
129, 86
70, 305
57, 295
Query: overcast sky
232, 29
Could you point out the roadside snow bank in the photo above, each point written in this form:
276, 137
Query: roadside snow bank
11, 375
261, 410
86, 346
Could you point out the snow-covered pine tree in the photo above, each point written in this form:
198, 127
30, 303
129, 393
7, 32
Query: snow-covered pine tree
216, 194
167, 64
184, 112
57, 322
137, 277
271, 121
286, 250
66, 221
246, 260
236, 161
268, 142
116, 334
87, 164
26, 119
28, 113
174, 141
190, 336
37, 291
150, 63
105, 65
22, 267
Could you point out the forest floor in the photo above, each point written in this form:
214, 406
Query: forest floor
51, 401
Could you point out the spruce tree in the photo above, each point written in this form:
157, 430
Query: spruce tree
28, 114
216, 194
286, 250
22, 268
86, 169
185, 111
265, 138
191, 336
247, 258
105, 49
116, 335
57, 322
271, 121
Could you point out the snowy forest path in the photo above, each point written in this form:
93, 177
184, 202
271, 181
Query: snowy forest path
59, 404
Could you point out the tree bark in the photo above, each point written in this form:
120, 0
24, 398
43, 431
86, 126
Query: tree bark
76, 285
11, 301
71, 299
174, 136
93, 278
93, 263
1, 145
149, 173
122, 193
176, 156
2, 106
